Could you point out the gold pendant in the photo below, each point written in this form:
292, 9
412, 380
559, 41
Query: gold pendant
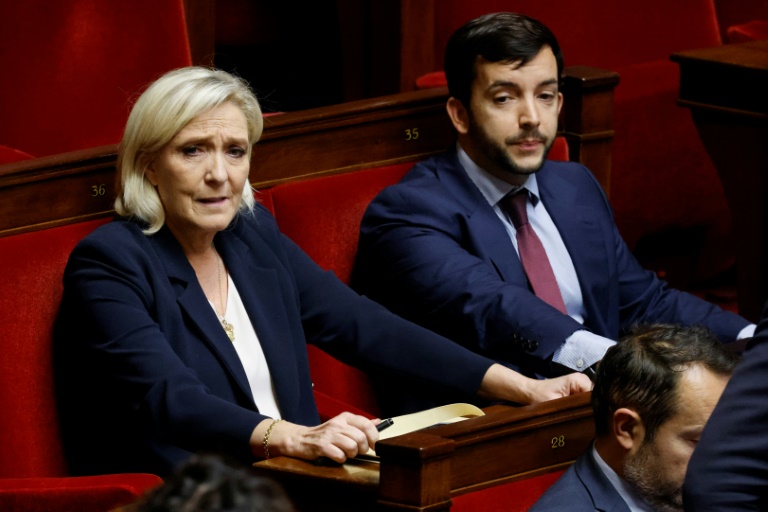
228, 329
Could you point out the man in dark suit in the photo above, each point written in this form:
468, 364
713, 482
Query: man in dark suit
653, 394
729, 468
499, 249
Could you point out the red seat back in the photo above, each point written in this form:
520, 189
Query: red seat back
323, 217
599, 33
517, 496
33, 266
71, 68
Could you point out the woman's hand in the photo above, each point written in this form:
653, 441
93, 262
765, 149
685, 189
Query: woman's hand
339, 438
501, 383
549, 389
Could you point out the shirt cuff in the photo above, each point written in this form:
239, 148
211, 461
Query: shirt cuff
581, 350
747, 332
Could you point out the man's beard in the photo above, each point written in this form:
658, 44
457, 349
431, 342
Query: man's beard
644, 473
500, 156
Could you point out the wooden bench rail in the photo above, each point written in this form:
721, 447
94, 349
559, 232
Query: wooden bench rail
588, 125
77, 186
421, 471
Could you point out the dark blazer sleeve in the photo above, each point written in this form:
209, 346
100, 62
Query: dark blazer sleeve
617, 291
729, 467
363, 333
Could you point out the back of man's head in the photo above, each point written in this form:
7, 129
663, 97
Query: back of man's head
642, 372
496, 37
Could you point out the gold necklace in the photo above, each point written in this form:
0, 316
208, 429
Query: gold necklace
228, 328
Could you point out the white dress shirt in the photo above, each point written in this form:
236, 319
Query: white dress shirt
250, 353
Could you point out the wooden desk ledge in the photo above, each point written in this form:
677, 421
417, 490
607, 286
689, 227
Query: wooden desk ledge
426, 468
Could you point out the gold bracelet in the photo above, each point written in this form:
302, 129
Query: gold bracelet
265, 443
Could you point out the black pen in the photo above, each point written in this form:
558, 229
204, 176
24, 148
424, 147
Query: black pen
385, 424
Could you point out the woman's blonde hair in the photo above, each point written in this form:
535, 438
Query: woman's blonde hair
159, 114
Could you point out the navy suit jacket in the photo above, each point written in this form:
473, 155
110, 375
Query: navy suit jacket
583, 488
433, 250
147, 375
729, 467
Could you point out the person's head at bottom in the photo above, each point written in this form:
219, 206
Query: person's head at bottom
211, 483
654, 392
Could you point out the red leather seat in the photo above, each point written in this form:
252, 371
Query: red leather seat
33, 472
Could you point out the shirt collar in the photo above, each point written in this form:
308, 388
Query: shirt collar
493, 188
625, 490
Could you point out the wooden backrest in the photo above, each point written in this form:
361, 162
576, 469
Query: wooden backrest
72, 187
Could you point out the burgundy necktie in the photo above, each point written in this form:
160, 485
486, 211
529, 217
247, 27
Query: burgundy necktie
532, 253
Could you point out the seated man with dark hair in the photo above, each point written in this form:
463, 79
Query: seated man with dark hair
501, 250
654, 392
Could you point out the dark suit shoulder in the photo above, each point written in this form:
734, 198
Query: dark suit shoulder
435, 188
583, 488
567, 493
120, 240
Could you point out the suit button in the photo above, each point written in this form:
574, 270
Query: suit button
533, 345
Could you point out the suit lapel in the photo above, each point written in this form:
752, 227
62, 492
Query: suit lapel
484, 228
254, 274
195, 306
583, 238
604, 496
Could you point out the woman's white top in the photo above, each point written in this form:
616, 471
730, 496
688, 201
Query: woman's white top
250, 353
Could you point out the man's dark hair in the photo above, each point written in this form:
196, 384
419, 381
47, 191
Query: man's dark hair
212, 483
496, 37
642, 372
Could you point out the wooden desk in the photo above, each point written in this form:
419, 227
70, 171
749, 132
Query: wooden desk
421, 471
725, 89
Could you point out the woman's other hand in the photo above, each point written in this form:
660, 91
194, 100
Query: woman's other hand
338, 439
549, 389
501, 383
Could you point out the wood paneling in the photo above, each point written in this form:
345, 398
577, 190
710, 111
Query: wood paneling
66, 188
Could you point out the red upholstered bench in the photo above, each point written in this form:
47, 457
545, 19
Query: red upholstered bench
33, 474
517, 496
322, 215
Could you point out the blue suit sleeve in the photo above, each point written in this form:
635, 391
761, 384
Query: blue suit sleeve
729, 467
